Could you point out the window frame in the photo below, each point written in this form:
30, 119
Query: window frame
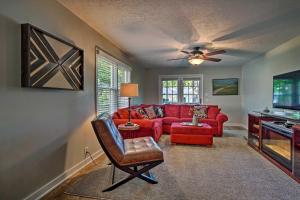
180, 79
119, 65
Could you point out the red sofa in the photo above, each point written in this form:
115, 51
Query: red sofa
172, 113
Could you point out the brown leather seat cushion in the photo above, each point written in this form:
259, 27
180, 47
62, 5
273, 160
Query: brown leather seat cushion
139, 150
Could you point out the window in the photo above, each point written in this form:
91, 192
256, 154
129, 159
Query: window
169, 91
191, 90
180, 89
110, 73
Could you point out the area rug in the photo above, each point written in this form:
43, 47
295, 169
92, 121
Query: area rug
229, 169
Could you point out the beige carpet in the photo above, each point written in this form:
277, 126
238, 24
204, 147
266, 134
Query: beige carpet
227, 170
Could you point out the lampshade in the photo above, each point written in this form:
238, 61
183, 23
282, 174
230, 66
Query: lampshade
129, 90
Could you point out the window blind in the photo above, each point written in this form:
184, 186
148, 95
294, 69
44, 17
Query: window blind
110, 73
123, 77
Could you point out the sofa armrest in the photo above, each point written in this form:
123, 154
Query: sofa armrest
145, 123
115, 115
221, 117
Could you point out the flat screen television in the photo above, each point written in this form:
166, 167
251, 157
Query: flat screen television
286, 90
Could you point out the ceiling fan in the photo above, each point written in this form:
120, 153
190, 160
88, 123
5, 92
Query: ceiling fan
197, 56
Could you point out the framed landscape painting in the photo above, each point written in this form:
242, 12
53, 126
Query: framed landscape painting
229, 86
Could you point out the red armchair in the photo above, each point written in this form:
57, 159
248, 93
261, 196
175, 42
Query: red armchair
172, 113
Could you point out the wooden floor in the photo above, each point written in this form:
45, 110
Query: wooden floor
58, 193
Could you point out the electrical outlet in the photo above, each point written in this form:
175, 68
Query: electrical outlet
86, 150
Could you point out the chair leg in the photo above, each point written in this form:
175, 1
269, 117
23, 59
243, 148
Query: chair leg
117, 184
133, 174
113, 174
140, 173
149, 179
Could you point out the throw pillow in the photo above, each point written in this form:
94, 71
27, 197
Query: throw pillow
141, 113
150, 112
200, 111
159, 111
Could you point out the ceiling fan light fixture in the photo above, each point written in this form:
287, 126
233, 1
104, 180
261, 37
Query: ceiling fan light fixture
195, 61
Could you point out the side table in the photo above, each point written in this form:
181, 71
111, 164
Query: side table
128, 132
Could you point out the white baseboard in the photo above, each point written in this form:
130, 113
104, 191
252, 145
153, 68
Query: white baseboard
42, 191
236, 124
244, 126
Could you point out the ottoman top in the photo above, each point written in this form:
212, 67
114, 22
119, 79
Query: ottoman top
179, 125
178, 128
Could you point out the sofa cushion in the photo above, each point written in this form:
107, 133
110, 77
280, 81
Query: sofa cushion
123, 113
212, 122
170, 120
157, 120
186, 119
134, 114
116, 115
172, 110
150, 112
185, 111
212, 112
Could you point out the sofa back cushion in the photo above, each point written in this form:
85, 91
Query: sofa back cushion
185, 111
116, 115
172, 110
123, 113
213, 111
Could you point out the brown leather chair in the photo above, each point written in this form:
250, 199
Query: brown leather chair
134, 156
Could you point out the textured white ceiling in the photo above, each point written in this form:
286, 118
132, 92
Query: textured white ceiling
152, 31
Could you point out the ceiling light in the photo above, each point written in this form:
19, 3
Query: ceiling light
195, 60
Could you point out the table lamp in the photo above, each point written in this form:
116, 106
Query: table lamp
129, 90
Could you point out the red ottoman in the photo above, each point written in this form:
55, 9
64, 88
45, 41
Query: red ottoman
192, 134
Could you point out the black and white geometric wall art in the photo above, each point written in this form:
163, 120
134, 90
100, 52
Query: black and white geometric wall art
50, 62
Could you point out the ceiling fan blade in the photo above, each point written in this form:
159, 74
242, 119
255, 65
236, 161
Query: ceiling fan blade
215, 52
212, 59
186, 52
176, 59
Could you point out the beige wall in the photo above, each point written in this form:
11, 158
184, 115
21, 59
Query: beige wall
258, 75
43, 132
230, 105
